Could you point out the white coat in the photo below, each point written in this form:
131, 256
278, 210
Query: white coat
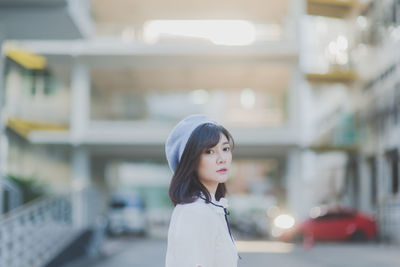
198, 236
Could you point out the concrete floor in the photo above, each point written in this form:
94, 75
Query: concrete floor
150, 252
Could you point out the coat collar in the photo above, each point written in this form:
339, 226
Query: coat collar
222, 203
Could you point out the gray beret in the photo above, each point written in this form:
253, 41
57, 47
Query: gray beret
179, 136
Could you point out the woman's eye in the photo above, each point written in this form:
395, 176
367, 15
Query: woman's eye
227, 149
209, 151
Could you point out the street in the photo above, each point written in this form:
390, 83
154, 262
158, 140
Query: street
150, 252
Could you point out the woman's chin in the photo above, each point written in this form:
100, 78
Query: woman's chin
223, 178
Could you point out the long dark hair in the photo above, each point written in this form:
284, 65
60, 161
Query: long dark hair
185, 185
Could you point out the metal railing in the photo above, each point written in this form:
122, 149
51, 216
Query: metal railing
33, 234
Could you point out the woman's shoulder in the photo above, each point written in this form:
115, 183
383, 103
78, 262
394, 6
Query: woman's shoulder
196, 208
194, 215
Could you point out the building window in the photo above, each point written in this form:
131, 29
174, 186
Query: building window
392, 157
352, 181
373, 181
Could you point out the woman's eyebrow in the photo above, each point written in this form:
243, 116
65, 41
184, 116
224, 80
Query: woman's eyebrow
226, 143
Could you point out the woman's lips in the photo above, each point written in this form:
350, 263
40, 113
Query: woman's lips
222, 170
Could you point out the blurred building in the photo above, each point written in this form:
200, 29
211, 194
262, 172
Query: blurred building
309, 89
36, 232
117, 112
357, 103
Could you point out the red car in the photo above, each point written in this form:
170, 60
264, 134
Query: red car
334, 224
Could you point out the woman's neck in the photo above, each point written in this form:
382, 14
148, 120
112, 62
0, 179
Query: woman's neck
211, 195
212, 188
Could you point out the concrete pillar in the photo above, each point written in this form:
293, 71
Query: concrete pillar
297, 83
80, 102
300, 182
99, 171
80, 164
3, 138
365, 188
294, 104
297, 8
80, 158
298, 120
294, 182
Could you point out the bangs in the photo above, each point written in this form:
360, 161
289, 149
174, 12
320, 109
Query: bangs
211, 134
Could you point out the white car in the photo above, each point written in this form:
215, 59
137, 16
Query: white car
126, 215
249, 213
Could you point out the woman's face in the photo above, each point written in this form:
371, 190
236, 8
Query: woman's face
214, 164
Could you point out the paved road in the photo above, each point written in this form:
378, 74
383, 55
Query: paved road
142, 252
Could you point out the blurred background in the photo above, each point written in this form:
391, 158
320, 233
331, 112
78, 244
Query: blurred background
309, 89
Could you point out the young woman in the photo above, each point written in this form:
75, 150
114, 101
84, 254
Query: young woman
198, 151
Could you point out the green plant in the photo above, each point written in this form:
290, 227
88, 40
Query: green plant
31, 188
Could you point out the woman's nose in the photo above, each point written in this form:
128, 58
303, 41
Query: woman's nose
221, 158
